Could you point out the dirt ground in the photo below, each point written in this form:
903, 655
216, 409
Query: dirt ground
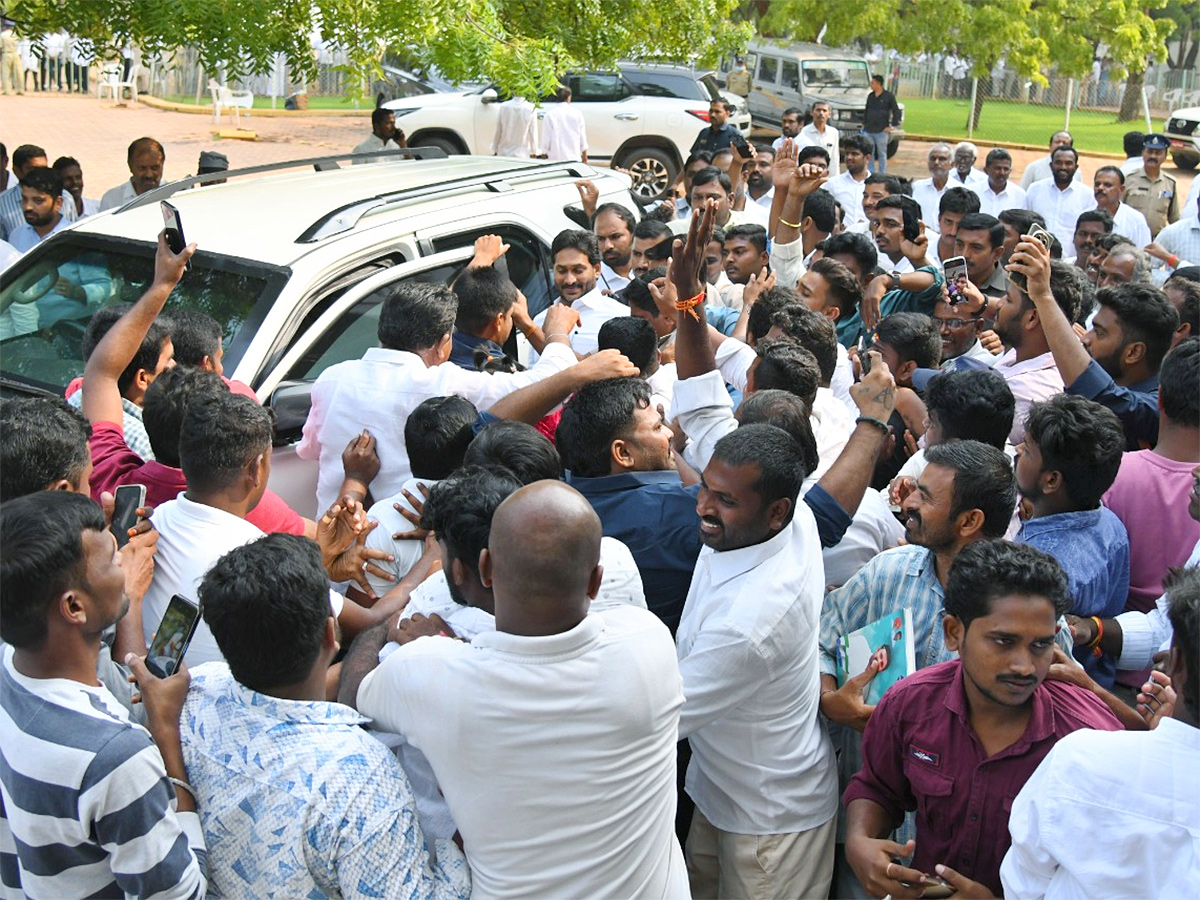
97, 132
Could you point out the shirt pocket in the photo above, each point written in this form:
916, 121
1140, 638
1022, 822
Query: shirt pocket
931, 789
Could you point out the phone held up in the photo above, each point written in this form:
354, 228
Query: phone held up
174, 228
173, 636
127, 500
955, 268
1037, 232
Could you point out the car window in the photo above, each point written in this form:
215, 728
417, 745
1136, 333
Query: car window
768, 68
836, 73
712, 90
527, 261
357, 329
597, 88
662, 84
48, 298
791, 74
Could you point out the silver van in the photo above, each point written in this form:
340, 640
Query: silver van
784, 76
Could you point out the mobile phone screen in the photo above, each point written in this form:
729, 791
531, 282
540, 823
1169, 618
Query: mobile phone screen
173, 636
174, 228
126, 502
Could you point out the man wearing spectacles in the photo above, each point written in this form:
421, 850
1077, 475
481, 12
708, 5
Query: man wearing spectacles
959, 326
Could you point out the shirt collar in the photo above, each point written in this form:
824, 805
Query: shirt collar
1041, 720
464, 346
398, 357
623, 481
1036, 363
594, 300
725, 565
1082, 518
1149, 386
312, 712
548, 646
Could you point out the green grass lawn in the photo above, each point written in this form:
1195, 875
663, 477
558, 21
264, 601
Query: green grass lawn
263, 102
1018, 123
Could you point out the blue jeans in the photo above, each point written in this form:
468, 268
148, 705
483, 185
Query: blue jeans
878, 159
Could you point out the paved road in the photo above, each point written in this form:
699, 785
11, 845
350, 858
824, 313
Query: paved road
97, 133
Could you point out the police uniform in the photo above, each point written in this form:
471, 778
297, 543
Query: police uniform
1155, 198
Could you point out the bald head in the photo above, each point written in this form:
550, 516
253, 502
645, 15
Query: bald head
542, 559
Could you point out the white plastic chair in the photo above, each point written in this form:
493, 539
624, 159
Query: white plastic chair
226, 99
131, 83
110, 80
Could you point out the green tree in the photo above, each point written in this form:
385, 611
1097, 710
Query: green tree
1029, 34
521, 45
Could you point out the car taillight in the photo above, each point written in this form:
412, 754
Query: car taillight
701, 114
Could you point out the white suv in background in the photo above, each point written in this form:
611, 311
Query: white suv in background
295, 265
643, 118
1183, 131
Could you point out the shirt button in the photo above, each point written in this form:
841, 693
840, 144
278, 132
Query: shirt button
974, 817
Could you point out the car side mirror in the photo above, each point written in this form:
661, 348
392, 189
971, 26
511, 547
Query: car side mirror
290, 402
489, 96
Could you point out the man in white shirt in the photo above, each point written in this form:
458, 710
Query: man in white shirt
964, 172
613, 225
928, 191
379, 390
146, 158
516, 129
789, 126
1039, 169
820, 133
41, 204
712, 183
1132, 143
577, 262
1108, 187
1061, 199
847, 188
997, 193
384, 135
564, 133
1123, 789
566, 784
72, 175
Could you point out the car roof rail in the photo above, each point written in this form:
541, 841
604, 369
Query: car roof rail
346, 217
320, 163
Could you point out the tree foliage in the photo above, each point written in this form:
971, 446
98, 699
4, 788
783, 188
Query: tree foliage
521, 45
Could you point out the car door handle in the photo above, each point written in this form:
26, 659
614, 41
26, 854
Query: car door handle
626, 117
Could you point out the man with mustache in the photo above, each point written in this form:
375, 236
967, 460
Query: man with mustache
613, 225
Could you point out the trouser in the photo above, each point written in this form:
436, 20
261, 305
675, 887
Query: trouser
79, 78
12, 73
879, 157
759, 866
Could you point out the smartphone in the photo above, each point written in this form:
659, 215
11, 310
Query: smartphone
127, 500
174, 227
1039, 233
955, 268
864, 361
173, 636
739, 143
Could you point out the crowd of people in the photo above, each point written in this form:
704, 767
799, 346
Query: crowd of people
579, 621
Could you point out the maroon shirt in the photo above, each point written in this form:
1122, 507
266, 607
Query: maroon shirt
920, 752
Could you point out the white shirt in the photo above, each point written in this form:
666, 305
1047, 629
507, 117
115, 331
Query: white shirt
1130, 796
848, 191
611, 281
1130, 223
1191, 205
1060, 209
662, 386
827, 139
761, 760
1131, 165
516, 129
1039, 170
405, 552
379, 391
594, 310
991, 203
831, 424
118, 196
974, 177
927, 194
1144, 633
192, 537
556, 754
787, 262
26, 238
873, 529
564, 134
372, 144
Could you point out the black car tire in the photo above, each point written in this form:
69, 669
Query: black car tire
654, 172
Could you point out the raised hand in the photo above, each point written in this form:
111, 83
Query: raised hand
762, 281
488, 249
784, 165
875, 395
687, 256
805, 179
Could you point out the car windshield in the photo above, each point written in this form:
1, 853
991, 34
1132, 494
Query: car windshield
835, 73
665, 84
48, 298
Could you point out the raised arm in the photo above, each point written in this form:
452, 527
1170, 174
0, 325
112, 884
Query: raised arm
693, 350
531, 403
1032, 259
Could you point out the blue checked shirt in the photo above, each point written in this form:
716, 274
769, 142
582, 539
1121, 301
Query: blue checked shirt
12, 217
131, 423
298, 801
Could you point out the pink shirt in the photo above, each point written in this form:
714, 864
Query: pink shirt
1031, 381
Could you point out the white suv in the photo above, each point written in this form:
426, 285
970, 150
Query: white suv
1183, 131
295, 266
643, 118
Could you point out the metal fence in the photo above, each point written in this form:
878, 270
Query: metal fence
179, 73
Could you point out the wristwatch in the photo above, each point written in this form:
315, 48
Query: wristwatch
895, 280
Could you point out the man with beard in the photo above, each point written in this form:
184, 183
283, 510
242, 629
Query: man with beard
793, 118
821, 134
1108, 186
956, 202
1017, 222
384, 135
979, 239
1061, 199
41, 204
576, 275
613, 225
145, 158
998, 193
759, 186
955, 741
1039, 169
745, 252
875, 188
1089, 227
719, 133
651, 246
928, 191
847, 188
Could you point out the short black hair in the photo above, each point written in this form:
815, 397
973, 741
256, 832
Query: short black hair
797, 111
1021, 219
148, 352
1132, 143
195, 335
705, 157
637, 294
518, 447
770, 301
1177, 380
267, 604
437, 434
23, 154
577, 239
999, 154
166, 401
416, 315
851, 243
891, 182
983, 480
1183, 612
1113, 170
972, 404
483, 293
985, 571
602, 412
42, 440
1064, 149
778, 457
752, 234
983, 222
379, 115
913, 336
1145, 315
812, 331
1080, 439
617, 210
460, 509
821, 207
787, 411
785, 365
1189, 309
1070, 287
44, 180
910, 209
1095, 215
65, 162
878, 79
634, 337
141, 144
812, 151
841, 285
710, 174
958, 200
41, 555
220, 436
652, 228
